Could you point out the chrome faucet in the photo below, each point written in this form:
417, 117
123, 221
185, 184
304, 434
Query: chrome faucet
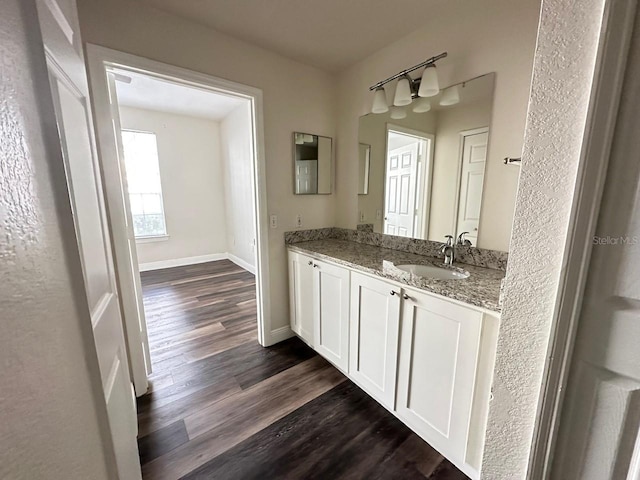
463, 241
449, 250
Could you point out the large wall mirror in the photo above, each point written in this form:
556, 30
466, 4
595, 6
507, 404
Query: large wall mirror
426, 163
312, 164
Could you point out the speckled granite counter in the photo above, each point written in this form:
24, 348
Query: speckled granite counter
481, 288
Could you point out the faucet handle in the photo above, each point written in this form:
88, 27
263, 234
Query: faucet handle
462, 240
449, 241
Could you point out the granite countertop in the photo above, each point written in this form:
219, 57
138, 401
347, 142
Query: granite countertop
481, 288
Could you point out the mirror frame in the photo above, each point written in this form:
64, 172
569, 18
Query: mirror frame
293, 157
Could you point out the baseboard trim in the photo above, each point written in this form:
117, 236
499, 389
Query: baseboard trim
280, 335
180, 262
241, 263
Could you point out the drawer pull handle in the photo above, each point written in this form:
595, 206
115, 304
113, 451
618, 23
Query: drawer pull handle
393, 292
315, 265
406, 297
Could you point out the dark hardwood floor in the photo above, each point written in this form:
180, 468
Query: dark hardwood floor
223, 407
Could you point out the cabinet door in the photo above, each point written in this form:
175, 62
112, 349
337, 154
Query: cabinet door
375, 320
331, 320
438, 360
301, 295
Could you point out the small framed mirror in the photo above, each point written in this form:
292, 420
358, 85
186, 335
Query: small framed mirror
312, 164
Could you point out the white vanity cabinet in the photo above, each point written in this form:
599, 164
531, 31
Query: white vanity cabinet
301, 295
429, 360
374, 333
331, 316
319, 306
438, 360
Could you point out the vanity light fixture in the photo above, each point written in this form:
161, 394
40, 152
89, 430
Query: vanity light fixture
422, 105
408, 88
307, 138
450, 96
403, 92
380, 101
429, 85
299, 139
398, 112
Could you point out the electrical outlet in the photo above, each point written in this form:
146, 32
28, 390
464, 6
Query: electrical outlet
378, 214
273, 221
298, 220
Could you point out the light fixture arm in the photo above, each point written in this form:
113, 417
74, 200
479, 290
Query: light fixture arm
426, 63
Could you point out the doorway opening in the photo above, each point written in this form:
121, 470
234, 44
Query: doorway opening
183, 165
407, 183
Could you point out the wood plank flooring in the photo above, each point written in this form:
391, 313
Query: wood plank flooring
223, 407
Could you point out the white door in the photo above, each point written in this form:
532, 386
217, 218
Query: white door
474, 157
70, 94
125, 251
400, 190
439, 351
375, 324
599, 437
331, 320
306, 176
301, 295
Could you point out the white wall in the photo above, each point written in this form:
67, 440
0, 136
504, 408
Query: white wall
480, 37
296, 98
191, 172
564, 69
237, 158
53, 416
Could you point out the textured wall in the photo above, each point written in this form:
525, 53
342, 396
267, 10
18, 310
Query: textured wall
51, 402
563, 71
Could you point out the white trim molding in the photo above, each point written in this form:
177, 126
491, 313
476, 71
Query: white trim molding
281, 334
181, 262
242, 263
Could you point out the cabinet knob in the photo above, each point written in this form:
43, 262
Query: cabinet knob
315, 265
310, 262
406, 297
393, 292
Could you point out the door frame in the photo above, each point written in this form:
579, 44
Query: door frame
424, 190
99, 60
611, 61
462, 136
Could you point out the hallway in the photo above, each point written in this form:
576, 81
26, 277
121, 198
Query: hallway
221, 406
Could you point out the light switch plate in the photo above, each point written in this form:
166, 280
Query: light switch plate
273, 221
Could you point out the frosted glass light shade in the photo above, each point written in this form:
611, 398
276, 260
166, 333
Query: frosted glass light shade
422, 105
450, 96
429, 85
398, 112
299, 139
379, 101
308, 138
403, 93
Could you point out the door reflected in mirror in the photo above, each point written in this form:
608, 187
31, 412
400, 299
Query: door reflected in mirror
426, 170
312, 164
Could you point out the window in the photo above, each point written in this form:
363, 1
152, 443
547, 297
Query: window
143, 179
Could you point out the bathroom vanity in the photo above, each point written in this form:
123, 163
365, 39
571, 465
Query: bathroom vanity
422, 347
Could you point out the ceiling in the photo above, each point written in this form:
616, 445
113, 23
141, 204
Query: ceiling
154, 94
329, 34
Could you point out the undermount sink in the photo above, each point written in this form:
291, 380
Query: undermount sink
436, 273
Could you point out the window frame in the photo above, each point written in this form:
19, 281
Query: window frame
146, 238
